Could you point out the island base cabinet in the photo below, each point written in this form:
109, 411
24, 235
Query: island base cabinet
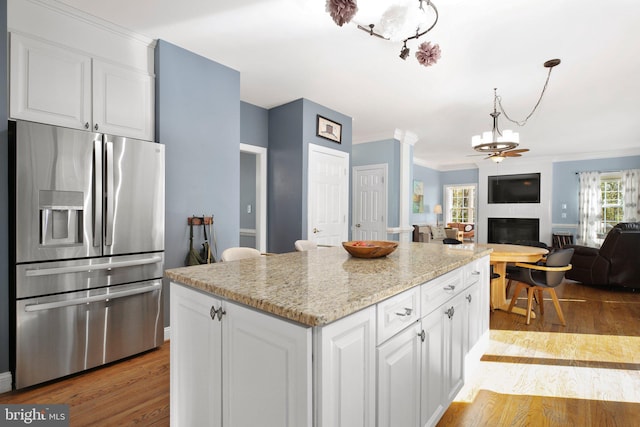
398, 384
196, 359
443, 357
345, 371
234, 367
266, 372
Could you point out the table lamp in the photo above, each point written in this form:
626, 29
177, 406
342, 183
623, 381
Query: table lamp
437, 209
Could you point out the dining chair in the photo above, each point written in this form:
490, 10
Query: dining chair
540, 277
305, 245
233, 254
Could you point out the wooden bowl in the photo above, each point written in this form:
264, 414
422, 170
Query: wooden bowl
369, 248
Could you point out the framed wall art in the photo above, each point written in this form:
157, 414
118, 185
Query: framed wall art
328, 129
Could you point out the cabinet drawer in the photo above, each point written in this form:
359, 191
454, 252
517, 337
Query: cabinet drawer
472, 271
396, 313
440, 289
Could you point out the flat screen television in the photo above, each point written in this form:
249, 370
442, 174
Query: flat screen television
521, 188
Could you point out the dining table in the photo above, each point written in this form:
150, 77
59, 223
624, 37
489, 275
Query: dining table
501, 255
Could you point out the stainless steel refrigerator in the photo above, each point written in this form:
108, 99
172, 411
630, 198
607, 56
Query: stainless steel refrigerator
87, 249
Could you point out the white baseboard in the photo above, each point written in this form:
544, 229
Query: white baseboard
5, 382
167, 333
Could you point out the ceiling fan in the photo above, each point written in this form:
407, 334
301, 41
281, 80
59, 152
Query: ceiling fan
499, 156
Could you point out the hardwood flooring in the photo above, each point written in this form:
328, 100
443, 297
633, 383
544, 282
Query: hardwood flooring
131, 392
584, 374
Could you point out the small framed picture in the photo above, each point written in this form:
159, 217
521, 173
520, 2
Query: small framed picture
328, 129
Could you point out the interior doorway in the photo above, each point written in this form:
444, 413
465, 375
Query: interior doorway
369, 202
328, 195
253, 197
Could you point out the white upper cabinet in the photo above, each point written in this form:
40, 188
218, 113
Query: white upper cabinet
49, 84
123, 101
68, 68
54, 85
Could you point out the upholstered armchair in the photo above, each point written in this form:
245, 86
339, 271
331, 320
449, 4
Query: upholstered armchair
616, 263
432, 233
467, 229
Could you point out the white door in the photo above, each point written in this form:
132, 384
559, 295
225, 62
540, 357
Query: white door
266, 373
399, 379
123, 101
49, 84
328, 195
370, 202
347, 360
432, 368
454, 346
196, 359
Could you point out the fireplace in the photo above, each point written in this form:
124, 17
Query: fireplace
511, 230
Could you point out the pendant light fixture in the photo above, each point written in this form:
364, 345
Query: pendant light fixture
500, 144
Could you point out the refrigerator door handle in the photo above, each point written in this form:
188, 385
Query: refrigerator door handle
82, 268
96, 298
109, 196
97, 190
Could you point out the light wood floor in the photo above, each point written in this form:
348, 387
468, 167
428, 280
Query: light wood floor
544, 374
584, 374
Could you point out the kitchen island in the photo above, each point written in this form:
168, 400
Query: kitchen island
321, 338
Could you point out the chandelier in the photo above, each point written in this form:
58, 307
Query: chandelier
402, 21
500, 144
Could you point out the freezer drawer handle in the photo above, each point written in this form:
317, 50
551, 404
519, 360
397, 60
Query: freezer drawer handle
81, 268
97, 298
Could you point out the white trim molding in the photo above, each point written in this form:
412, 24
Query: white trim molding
5, 382
261, 193
167, 333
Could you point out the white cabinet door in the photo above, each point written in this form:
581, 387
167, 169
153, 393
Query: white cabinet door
399, 379
49, 84
455, 344
196, 359
123, 101
443, 356
474, 315
346, 382
266, 370
433, 368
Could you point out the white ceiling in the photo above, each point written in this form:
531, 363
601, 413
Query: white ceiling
290, 49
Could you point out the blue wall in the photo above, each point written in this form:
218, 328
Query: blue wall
383, 152
292, 127
565, 183
198, 120
254, 125
4, 196
458, 177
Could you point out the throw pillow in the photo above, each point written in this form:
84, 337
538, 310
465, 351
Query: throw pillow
468, 227
438, 232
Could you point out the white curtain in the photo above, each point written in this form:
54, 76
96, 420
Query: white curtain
631, 198
590, 209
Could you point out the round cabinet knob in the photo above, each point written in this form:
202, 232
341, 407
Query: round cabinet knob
358, 225
96, 126
86, 125
315, 230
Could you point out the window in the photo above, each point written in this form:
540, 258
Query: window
461, 202
612, 201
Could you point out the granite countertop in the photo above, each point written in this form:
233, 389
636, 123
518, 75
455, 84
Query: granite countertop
316, 287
